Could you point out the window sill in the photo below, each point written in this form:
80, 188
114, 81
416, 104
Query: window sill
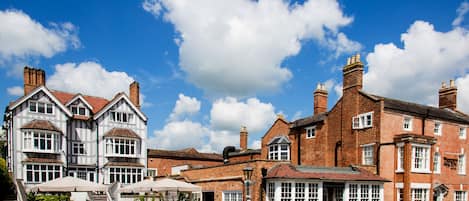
122, 156
40, 151
399, 171
422, 171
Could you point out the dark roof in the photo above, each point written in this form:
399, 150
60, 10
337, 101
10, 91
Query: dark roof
245, 152
121, 132
124, 164
41, 160
309, 120
41, 125
279, 140
190, 153
420, 110
288, 171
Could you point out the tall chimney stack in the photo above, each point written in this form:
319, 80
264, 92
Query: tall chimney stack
320, 99
134, 90
33, 78
448, 95
243, 138
353, 74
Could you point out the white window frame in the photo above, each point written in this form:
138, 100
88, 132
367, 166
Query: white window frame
400, 191
310, 132
39, 172
122, 117
462, 164
424, 191
437, 163
80, 148
232, 195
438, 128
425, 163
36, 110
364, 191
461, 197
275, 151
124, 174
407, 123
362, 121
368, 154
462, 132
113, 143
400, 157
31, 136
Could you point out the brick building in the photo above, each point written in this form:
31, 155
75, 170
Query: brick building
170, 163
53, 133
421, 149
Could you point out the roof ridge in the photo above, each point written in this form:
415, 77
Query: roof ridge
79, 93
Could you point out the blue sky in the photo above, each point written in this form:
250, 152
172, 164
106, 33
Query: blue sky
208, 67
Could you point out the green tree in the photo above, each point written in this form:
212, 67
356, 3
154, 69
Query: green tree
6, 185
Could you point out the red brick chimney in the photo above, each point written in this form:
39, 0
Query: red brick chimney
134, 90
33, 78
243, 138
353, 74
448, 95
320, 99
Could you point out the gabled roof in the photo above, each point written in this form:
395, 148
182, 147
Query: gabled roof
279, 140
309, 120
288, 171
82, 99
121, 132
35, 91
96, 103
183, 154
41, 125
115, 100
420, 110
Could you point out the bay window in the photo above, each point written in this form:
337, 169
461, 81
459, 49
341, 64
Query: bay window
125, 175
362, 192
39, 173
121, 147
41, 141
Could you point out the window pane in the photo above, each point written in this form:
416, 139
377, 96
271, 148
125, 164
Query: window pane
49, 108
40, 108
32, 106
82, 111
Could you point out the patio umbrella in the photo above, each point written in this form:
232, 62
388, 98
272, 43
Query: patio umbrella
69, 184
159, 186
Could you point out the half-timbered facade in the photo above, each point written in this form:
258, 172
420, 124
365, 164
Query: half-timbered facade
52, 134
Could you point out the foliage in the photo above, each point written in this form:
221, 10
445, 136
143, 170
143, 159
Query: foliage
6, 184
46, 197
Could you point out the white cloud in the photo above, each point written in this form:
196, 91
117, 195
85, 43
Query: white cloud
343, 45
152, 6
462, 10
15, 91
463, 93
23, 38
236, 47
230, 114
226, 117
89, 78
415, 71
179, 135
185, 105
256, 144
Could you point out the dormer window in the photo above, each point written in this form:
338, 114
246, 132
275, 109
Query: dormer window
122, 117
279, 148
41, 107
79, 110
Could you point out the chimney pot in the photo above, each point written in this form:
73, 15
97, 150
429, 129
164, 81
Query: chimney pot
451, 83
243, 138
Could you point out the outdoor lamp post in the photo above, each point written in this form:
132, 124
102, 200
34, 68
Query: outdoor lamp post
247, 171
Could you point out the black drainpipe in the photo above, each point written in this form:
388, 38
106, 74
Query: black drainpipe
378, 154
337, 145
423, 121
